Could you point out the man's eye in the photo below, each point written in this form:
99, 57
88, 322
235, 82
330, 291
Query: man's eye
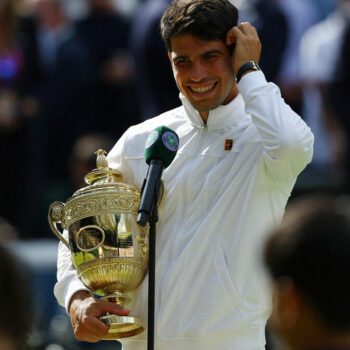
210, 57
182, 63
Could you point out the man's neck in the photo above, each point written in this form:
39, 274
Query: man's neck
204, 116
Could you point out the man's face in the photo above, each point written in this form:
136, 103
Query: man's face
203, 72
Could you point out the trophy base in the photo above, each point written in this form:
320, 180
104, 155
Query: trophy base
122, 326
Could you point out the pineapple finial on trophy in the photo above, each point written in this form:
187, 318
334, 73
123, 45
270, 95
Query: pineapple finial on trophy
101, 160
103, 173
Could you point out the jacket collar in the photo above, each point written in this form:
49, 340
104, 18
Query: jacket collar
219, 118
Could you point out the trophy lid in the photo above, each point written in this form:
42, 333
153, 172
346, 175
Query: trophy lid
103, 173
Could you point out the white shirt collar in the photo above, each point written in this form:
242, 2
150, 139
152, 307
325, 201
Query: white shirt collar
220, 117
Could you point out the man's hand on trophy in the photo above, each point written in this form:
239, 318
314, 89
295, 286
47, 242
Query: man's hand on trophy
85, 311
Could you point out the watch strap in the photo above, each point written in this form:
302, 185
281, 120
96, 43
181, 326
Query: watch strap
246, 67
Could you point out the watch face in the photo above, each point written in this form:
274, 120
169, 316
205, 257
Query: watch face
253, 66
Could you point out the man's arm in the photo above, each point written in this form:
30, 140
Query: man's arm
288, 141
68, 282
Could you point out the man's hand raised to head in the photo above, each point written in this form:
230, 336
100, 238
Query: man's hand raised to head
85, 311
247, 45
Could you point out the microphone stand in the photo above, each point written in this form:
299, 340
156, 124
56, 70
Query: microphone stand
153, 218
149, 212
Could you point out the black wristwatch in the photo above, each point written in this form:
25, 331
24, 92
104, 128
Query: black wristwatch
249, 66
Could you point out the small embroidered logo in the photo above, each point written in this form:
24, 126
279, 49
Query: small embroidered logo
228, 144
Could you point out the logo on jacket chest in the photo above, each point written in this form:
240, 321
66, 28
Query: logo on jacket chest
228, 144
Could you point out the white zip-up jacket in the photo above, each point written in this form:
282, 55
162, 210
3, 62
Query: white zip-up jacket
218, 206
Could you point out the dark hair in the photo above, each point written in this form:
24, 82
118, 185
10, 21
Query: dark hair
312, 247
206, 19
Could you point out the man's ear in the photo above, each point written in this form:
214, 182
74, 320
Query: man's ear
287, 304
231, 37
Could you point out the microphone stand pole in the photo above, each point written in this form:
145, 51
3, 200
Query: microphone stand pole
152, 219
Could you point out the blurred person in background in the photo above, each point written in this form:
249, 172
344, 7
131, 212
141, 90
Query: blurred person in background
58, 82
82, 160
324, 8
57, 76
274, 38
11, 121
106, 32
308, 257
83, 157
157, 92
11, 64
300, 15
8, 231
319, 51
339, 93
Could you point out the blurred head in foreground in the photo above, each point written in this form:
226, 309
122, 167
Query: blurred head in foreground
308, 257
14, 302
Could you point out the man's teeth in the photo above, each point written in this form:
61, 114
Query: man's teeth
202, 89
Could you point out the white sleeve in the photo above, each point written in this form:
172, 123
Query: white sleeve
68, 282
116, 155
288, 141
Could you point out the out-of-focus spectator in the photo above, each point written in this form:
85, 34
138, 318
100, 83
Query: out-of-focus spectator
82, 160
300, 15
127, 7
157, 91
58, 78
319, 52
339, 93
272, 26
7, 231
83, 157
324, 8
11, 126
14, 299
106, 31
58, 82
308, 257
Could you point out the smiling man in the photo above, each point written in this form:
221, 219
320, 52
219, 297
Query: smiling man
241, 150
203, 72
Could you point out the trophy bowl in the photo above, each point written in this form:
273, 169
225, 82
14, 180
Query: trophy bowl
108, 248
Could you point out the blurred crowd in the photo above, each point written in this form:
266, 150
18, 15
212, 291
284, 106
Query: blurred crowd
75, 74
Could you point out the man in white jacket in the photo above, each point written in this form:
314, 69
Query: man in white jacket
241, 150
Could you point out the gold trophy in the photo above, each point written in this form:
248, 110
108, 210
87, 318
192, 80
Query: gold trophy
109, 249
